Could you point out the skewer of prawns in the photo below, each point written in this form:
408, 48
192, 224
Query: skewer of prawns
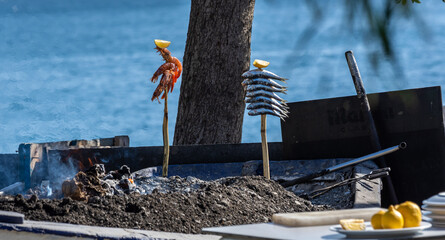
170, 71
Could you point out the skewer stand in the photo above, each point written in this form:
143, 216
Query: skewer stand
266, 169
165, 135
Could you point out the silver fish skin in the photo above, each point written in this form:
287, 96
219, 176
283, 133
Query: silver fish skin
265, 94
256, 87
261, 111
258, 73
261, 81
258, 105
267, 100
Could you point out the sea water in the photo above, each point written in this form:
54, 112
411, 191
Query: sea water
80, 69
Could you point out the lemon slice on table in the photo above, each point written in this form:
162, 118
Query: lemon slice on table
353, 224
260, 63
162, 43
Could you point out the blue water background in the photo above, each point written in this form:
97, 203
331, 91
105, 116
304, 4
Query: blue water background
80, 69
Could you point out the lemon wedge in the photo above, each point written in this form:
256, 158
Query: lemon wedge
260, 63
162, 43
353, 224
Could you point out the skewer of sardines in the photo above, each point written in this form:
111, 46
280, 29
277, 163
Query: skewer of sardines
262, 95
261, 88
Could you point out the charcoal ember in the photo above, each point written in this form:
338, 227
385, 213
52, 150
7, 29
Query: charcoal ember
85, 184
126, 185
109, 186
65, 201
124, 170
118, 190
94, 199
97, 170
33, 199
95, 182
20, 200
121, 173
71, 189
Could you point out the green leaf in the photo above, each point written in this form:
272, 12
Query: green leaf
415, 1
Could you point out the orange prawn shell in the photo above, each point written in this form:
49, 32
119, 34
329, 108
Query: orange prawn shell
171, 70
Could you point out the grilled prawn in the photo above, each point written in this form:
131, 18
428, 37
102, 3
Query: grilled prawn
170, 71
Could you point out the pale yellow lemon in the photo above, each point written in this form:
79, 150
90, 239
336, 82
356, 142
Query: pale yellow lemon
392, 219
376, 219
260, 63
412, 215
162, 43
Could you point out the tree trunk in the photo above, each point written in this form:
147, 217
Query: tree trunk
211, 102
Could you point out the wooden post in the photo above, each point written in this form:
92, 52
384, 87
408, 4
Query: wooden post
266, 170
165, 135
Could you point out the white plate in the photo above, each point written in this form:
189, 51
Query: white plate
435, 223
435, 210
434, 216
370, 232
428, 219
439, 225
436, 200
434, 203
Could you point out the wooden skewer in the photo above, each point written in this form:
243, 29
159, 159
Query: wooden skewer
165, 135
266, 170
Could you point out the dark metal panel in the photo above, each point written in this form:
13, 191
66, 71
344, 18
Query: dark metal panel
142, 157
335, 128
339, 122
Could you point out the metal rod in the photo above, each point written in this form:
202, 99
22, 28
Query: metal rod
367, 157
343, 165
13, 188
361, 94
368, 177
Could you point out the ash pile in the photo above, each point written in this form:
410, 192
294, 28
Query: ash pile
139, 200
97, 182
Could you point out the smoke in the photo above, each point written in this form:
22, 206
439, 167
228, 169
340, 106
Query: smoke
59, 171
9, 169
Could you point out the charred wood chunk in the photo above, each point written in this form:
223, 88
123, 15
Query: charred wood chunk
72, 190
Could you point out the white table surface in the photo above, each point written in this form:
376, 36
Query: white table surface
274, 231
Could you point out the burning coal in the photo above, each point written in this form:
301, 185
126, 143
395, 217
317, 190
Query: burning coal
96, 182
